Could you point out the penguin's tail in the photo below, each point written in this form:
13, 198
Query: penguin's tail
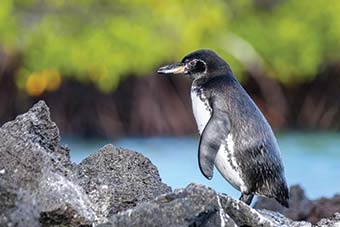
282, 194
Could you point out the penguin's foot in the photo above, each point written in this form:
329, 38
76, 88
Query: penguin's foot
247, 198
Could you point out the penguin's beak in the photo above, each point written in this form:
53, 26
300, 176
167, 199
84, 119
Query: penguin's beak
177, 68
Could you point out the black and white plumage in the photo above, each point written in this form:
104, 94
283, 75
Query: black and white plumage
234, 135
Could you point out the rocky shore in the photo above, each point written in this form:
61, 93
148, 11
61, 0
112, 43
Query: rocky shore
40, 186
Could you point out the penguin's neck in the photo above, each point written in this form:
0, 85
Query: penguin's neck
200, 106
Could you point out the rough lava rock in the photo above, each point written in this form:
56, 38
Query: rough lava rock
332, 221
39, 183
198, 205
299, 204
116, 179
35, 175
302, 208
40, 186
193, 206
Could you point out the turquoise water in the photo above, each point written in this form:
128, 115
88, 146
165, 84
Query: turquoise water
311, 160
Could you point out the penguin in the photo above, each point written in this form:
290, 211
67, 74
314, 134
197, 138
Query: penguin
235, 137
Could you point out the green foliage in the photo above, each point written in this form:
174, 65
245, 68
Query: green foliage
8, 28
294, 38
103, 41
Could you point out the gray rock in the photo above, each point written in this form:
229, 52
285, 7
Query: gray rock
17, 208
299, 205
302, 208
198, 205
39, 183
117, 179
35, 174
333, 221
281, 220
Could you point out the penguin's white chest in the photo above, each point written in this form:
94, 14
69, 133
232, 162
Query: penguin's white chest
226, 164
225, 160
201, 108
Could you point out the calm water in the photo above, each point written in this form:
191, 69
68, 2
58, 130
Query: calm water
311, 160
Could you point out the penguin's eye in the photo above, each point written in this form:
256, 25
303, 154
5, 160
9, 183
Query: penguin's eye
196, 66
192, 63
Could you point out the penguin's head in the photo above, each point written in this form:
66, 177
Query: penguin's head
200, 64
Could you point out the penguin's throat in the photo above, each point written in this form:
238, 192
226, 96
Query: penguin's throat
199, 79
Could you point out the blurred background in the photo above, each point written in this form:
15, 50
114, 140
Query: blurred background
94, 63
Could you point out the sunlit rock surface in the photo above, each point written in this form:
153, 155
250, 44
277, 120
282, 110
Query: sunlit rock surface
40, 186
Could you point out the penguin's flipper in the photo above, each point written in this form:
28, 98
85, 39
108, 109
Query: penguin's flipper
211, 139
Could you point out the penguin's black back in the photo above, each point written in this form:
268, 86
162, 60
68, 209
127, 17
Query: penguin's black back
256, 149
